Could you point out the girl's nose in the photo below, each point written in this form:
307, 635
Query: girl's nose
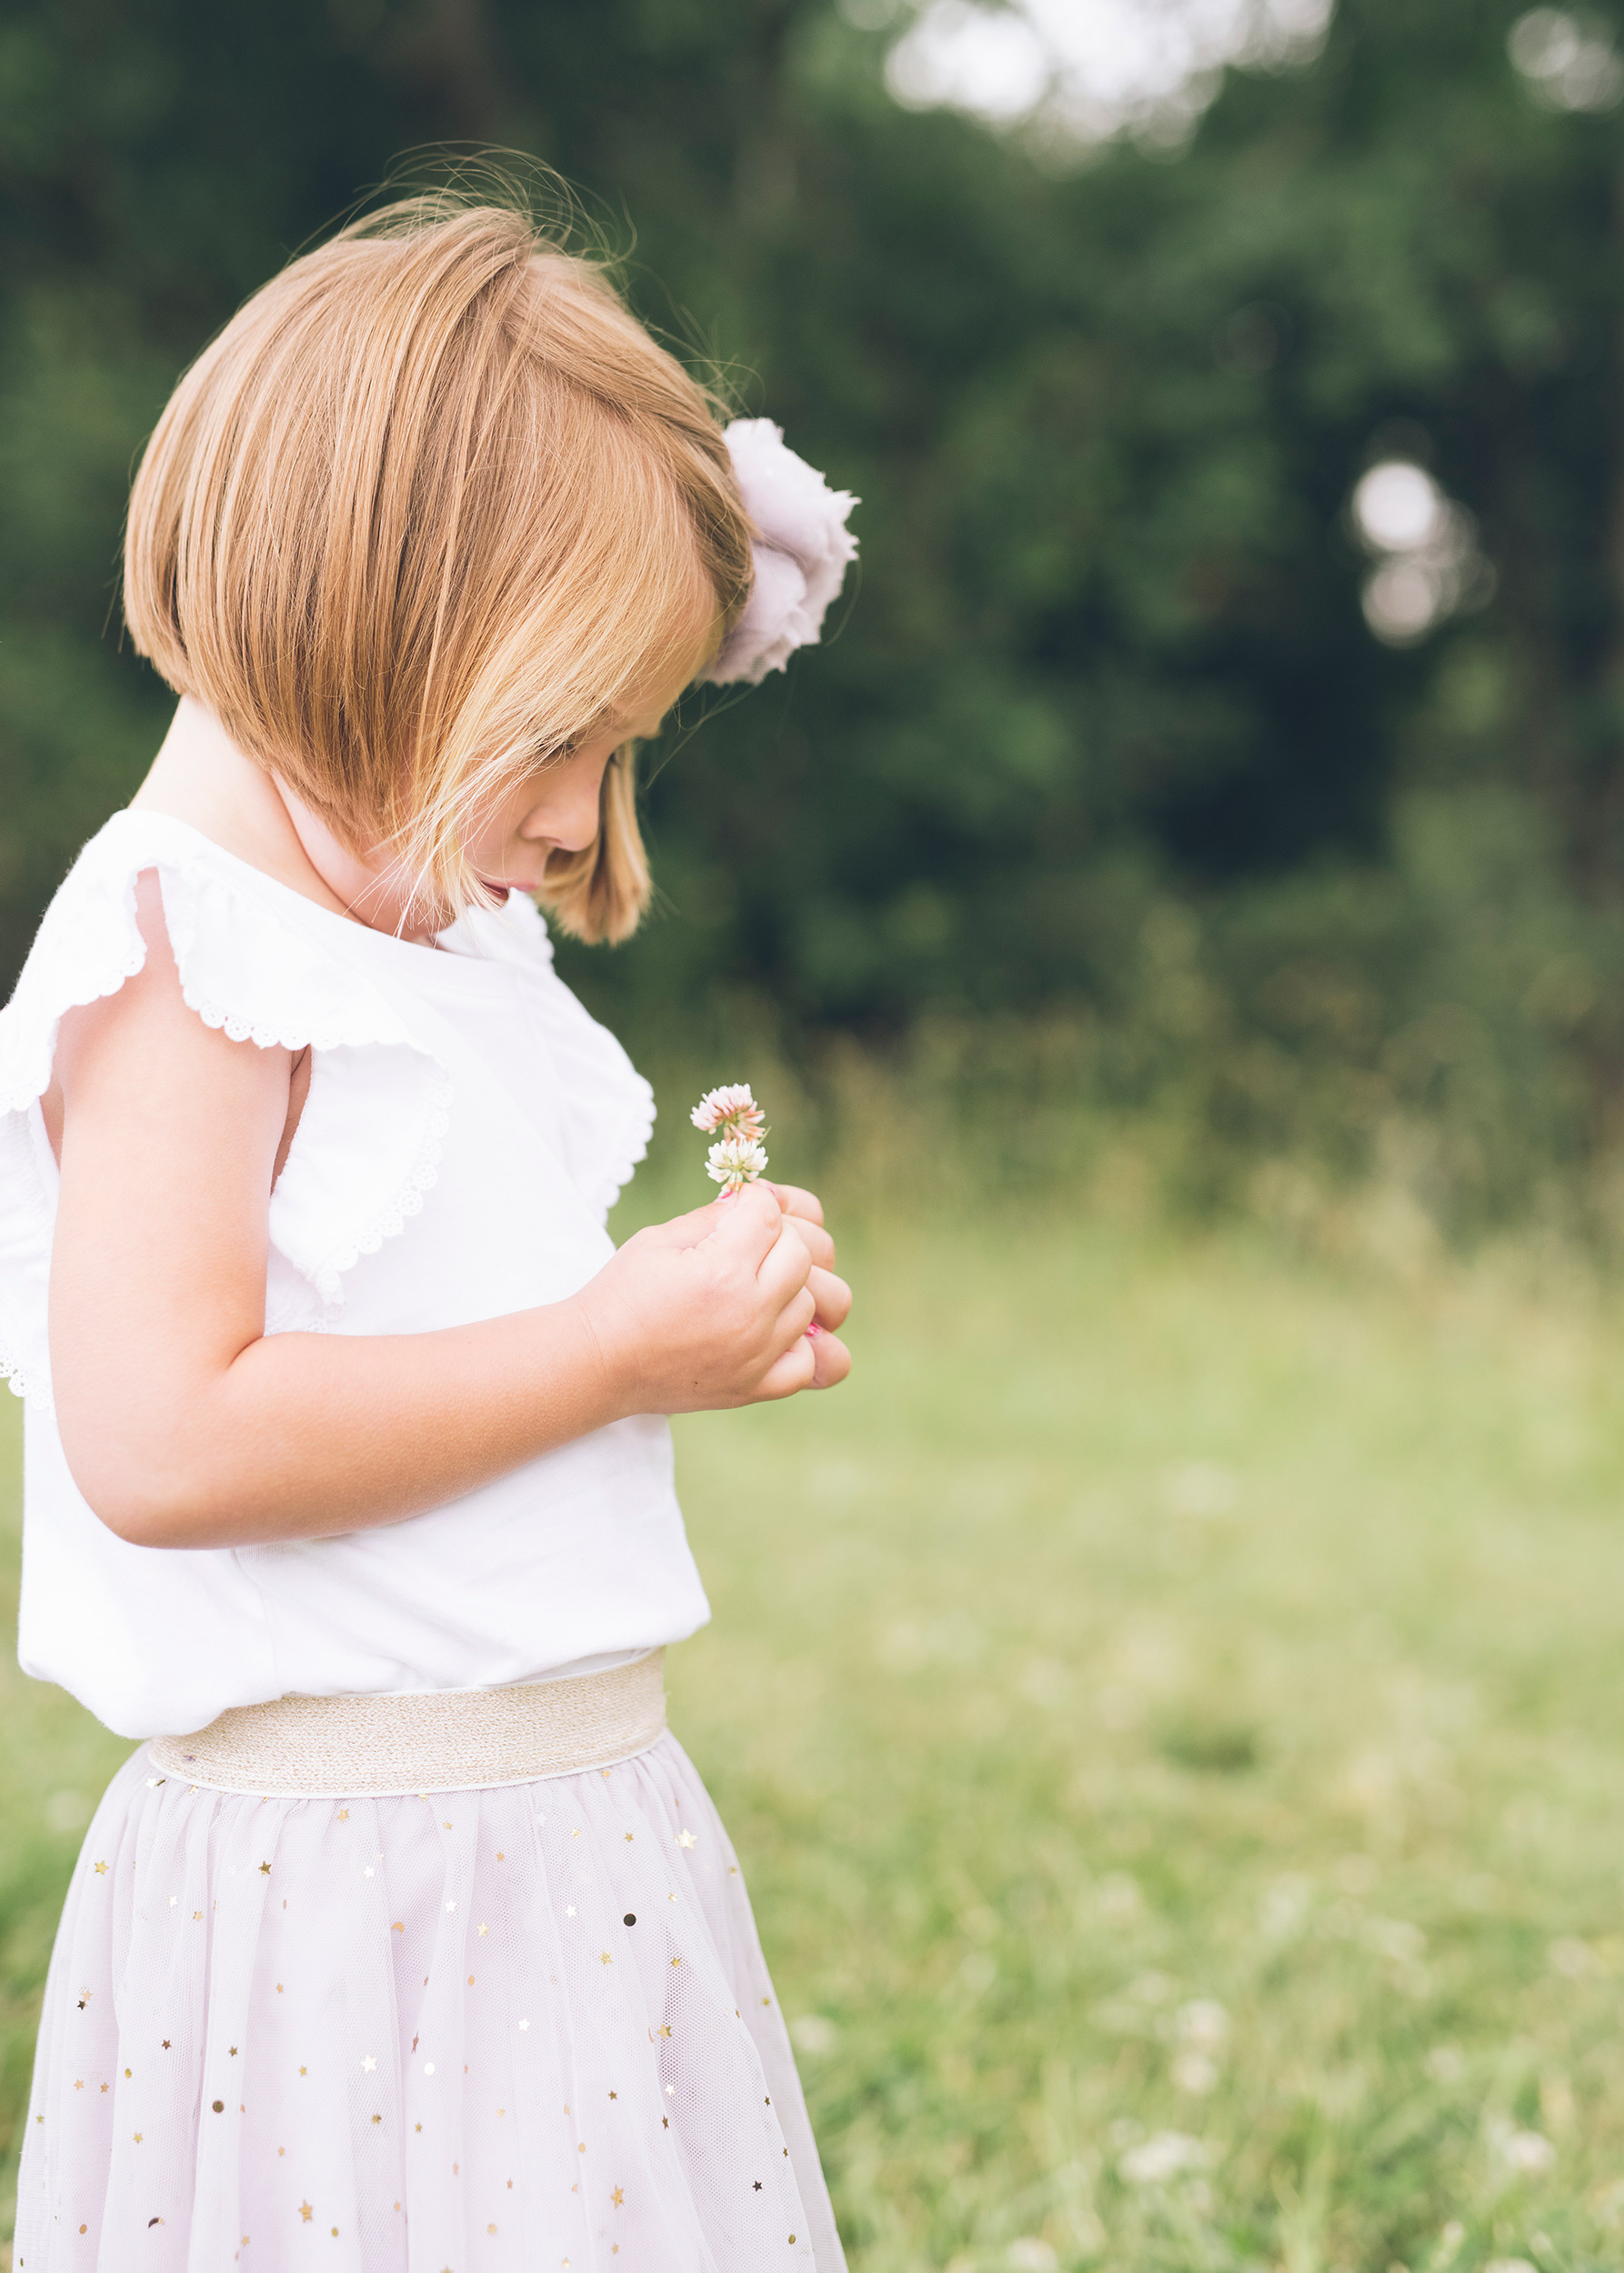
569, 818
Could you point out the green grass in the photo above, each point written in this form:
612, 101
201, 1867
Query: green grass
1173, 1689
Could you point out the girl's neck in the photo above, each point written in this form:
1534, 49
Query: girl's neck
200, 777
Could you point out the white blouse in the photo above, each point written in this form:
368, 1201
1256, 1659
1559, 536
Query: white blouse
467, 1128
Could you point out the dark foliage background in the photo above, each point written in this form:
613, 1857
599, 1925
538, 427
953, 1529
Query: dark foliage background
1104, 748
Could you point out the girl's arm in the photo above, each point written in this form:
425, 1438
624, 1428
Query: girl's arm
185, 1424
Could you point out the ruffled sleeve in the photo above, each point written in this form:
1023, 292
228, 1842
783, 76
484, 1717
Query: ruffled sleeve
86, 947
368, 1141
606, 1108
253, 965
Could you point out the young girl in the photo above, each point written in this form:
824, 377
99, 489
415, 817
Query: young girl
409, 1940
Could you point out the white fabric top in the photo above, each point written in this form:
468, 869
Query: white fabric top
467, 1128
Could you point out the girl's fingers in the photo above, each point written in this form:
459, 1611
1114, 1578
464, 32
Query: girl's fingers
795, 1369
806, 1206
815, 1239
797, 1314
831, 1361
752, 1224
784, 1268
681, 1231
812, 1361
833, 1298
716, 1216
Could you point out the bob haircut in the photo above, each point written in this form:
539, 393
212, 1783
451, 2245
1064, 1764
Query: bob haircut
426, 513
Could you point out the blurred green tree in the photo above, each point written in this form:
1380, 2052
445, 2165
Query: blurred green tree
1106, 414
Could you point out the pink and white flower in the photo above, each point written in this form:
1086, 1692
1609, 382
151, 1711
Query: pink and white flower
729, 1112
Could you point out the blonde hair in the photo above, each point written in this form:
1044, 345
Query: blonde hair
429, 510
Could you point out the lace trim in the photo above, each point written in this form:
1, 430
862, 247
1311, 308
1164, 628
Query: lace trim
12, 1374
405, 1202
298, 1036
295, 1317
618, 1170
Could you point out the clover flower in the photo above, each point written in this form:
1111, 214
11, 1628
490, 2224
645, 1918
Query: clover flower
735, 1161
1166, 2156
733, 1118
729, 1112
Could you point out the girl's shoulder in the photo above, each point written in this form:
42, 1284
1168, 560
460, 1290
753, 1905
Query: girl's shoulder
254, 957
258, 961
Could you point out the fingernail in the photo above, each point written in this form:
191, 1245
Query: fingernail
813, 1331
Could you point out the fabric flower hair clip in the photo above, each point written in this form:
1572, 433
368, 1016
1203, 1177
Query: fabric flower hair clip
801, 552
735, 1120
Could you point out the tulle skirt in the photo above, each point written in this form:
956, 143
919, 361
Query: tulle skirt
521, 2030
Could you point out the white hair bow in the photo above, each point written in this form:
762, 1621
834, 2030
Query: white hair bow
801, 550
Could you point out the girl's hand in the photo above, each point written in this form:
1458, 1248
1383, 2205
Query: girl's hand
803, 1215
711, 1310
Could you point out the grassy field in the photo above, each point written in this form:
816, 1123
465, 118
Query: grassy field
1170, 1706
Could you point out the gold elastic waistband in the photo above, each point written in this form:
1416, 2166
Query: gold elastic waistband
351, 1747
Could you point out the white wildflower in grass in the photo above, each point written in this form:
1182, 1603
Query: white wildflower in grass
1031, 2254
1162, 2158
1528, 2153
1201, 2029
814, 2033
1396, 1939
734, 1162
729, 1112
1203, 2025
1196, 2072
1286, 1907
1510, 2265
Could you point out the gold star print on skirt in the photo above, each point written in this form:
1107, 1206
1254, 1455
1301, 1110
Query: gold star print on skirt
479, 2028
